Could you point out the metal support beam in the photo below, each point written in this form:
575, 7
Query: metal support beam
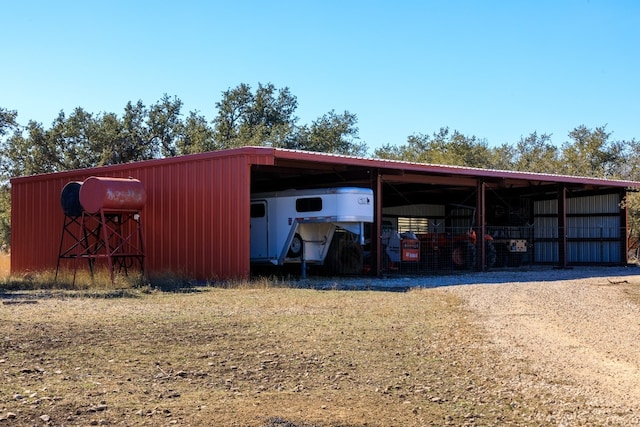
377, 225
480, 221
432, 179
562, 225
624, 227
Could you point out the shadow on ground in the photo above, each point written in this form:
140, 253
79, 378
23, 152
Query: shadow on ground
529, 274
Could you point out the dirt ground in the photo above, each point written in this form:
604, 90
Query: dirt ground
536, 347
575, 337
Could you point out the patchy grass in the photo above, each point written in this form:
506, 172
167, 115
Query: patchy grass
265, 356
47, 280
100, 281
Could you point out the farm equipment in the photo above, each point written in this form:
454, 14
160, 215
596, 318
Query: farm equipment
399, 248
456, 250
510, 248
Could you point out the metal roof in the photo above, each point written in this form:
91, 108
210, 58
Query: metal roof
426, 168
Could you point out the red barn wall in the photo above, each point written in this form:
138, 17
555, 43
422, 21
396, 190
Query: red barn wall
195, 222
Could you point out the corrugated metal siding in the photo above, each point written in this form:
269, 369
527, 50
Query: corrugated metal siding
545, 235
601, 204
594, 230
195, 222
597, 236
36, 219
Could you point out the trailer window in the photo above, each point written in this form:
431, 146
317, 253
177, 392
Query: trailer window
257, 210
309, 204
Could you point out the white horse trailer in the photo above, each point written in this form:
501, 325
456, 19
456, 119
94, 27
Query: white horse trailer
295, 226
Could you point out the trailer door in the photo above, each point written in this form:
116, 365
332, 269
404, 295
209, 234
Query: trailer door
259, 231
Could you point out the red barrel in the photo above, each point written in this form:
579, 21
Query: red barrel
112, 193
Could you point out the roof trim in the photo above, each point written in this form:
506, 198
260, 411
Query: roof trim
269, 155
265, 155
426, 168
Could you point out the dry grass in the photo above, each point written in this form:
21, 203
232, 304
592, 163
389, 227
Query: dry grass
5, 264
82, 279
249, 357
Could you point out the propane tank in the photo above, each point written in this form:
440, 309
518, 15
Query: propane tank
70, 199
112, 193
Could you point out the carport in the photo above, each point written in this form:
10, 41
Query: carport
567, 220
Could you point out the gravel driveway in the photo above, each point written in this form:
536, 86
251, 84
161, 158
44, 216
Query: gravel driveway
573, 336
568, 337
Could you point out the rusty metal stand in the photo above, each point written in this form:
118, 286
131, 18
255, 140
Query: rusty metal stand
73, 235
111, 235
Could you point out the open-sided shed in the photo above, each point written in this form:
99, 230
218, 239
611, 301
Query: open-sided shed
196, 221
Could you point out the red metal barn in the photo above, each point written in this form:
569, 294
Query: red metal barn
196, 221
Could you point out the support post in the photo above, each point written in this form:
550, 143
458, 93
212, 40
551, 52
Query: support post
562, 226
624, 227
480, 220
377, 226
303, 263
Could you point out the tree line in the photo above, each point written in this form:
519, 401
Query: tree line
266, 117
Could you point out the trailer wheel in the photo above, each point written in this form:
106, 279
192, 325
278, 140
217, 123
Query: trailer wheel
295, 250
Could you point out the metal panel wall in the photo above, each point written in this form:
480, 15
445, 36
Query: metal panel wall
594, 230
545, 238
36, 223
195, 222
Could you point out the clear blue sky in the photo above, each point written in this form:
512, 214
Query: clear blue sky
498, 70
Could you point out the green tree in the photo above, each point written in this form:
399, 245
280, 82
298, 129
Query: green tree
264, 118
267, 118
390, 152
630, 169
30, 151
270, 117
108, 140
138, 134
72, 140
331, 133
7, 121
232, 111
165, 126
197, 136
5, 216
443, 147
592, 153
134, 142
502, 157
8, 125
536, 153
